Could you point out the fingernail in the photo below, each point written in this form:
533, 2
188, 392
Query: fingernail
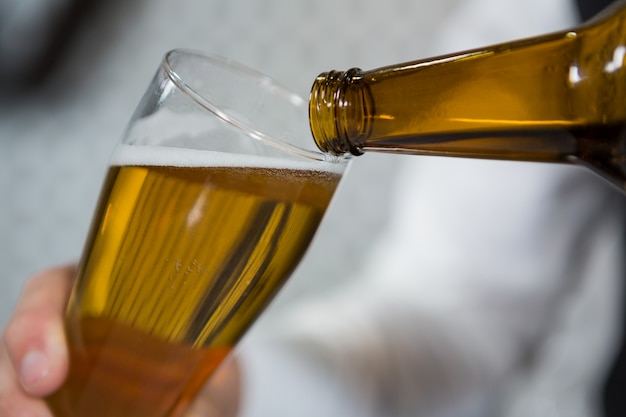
34, 368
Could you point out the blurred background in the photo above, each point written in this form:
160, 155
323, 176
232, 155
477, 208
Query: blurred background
72, 73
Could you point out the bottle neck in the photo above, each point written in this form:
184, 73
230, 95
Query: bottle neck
340, 111
553, 98
557, 82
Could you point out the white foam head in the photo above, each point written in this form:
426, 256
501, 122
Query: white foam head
142, 155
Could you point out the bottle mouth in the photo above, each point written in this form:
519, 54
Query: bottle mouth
322, 112
337, 114
265, 102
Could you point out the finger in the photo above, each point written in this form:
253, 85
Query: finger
14, 402
34, 336
221, 395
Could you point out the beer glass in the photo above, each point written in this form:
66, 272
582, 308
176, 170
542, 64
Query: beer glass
210, 201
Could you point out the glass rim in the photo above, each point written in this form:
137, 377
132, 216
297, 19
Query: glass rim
234, 121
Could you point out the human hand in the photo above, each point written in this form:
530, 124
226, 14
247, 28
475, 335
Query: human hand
34, 362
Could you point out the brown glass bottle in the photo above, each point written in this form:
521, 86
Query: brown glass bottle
559, 97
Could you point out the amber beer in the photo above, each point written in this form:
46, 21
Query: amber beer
181, 258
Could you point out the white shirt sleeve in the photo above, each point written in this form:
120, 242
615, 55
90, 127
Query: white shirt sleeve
464, 287
478, 259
